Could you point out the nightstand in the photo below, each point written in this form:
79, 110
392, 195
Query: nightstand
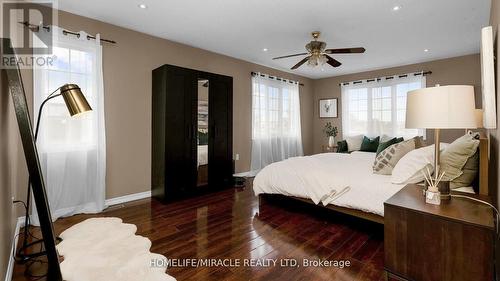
451, 241
326, 148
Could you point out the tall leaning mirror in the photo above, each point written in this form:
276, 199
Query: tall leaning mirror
202, 147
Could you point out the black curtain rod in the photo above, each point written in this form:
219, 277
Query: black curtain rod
36, 28
425, 73
275, 77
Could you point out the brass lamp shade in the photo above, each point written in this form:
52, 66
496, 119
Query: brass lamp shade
74, 99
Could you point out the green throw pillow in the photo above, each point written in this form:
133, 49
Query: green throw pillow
342, 146
370, 145
383, 145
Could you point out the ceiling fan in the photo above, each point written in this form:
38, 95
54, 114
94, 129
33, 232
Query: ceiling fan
318, 54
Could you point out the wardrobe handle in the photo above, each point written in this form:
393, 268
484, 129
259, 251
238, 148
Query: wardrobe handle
188, 129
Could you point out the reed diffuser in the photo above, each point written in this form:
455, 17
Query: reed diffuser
432, 194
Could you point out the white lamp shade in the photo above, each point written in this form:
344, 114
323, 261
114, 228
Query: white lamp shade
444, 107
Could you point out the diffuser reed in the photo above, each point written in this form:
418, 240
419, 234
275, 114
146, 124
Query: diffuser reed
432, 194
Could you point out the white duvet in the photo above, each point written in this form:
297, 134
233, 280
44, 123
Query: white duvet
345, 180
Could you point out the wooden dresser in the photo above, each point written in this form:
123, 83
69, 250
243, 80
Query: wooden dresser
452, 241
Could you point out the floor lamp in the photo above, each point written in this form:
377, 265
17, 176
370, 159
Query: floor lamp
17, 92
76, 104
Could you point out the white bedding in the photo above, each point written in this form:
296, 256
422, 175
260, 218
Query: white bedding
312, 177
202, 155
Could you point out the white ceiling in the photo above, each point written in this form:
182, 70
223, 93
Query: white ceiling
243, 28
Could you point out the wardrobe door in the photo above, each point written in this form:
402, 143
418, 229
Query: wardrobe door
221, 135
180, 140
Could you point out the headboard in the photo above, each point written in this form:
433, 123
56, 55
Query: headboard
484, 145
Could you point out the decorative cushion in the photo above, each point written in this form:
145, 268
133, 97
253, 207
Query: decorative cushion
385, 138
383, 145
389, 157
342, 146
370, 145
419, 142
354, 142
460, 161
410, 167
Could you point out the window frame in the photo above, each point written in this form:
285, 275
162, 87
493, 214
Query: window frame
392, 84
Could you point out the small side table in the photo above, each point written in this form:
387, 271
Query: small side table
448, 242
327, 148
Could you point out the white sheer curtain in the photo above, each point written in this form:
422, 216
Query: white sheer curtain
276, 132
378, 107
72, 149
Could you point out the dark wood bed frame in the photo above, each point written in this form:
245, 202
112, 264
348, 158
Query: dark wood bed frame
482, 181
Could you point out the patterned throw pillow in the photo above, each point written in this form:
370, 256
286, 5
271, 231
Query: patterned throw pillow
388, 158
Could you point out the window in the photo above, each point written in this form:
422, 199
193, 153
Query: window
276, 130
379, 108
75, 65
72, 150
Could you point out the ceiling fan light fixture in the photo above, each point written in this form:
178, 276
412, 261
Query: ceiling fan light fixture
318, 54
322, 59
312, 61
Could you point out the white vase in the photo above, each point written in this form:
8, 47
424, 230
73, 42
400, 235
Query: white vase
331, 141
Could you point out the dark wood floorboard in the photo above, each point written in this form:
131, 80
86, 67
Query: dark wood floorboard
230, 224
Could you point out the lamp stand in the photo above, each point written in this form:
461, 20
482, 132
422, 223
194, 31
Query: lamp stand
443, 186
436, 151
23, 249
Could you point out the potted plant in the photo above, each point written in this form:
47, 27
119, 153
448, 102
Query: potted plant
331, 132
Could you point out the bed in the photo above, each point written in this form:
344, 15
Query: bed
359, 192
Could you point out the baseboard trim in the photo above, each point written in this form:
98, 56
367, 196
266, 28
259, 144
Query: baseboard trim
127, 198
10, 266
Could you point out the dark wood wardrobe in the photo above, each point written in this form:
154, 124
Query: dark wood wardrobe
178, 129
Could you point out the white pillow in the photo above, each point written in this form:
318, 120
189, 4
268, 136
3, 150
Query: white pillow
410, 167
385, 138
354, 142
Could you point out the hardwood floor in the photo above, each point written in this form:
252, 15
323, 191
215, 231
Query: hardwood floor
230, 225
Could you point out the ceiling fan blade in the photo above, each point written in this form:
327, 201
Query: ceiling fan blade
289, 56
300, 62
346, 51
333, 62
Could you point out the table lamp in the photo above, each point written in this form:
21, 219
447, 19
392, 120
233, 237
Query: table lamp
445, 107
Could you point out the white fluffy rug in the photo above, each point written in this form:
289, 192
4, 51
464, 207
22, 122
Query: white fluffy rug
106, 249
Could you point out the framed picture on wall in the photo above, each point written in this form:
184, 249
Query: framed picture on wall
328, 108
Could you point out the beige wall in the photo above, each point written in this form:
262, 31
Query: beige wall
10, 152
127, 85
460, 70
